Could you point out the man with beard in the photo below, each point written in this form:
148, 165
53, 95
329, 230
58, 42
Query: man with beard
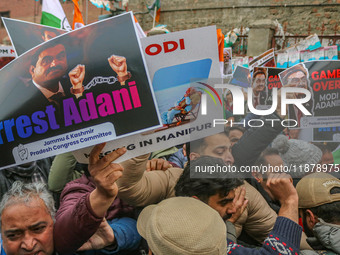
319, 208
297, 77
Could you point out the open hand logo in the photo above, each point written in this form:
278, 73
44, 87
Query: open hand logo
23, 152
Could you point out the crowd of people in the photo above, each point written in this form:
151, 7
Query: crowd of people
148, 205
162, 205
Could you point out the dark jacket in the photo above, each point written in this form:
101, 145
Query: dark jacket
283, 239
75, 220
23, 173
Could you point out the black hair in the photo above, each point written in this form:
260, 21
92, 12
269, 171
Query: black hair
203, 188
46, 46
323, 147
267, 152
239, 128
330, 212
197, 145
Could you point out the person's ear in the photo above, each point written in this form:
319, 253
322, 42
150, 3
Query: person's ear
311, 219
31, 70
194, 155
258, 176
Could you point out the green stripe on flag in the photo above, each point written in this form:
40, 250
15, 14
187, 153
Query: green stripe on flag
50, 20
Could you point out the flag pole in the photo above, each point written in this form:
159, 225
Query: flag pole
87, 11
154, 16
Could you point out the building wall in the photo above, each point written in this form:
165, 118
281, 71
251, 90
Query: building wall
228, 14
185, 14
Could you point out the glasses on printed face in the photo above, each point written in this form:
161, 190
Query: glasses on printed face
298, 82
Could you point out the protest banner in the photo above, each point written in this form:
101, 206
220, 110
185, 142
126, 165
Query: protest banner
263, 81
227, 57
326, 134
67, 94
179, 64
321, 134
169, 56
321, 79
241, 77
26, 35
267, 59
7, 54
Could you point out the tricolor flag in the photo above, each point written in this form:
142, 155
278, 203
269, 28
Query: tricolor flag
78, 21
220, 42
156, 6
53, 15
140, 31
102, 4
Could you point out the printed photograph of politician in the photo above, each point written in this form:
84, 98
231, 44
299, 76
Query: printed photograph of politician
67, 84
26, 35
297, 76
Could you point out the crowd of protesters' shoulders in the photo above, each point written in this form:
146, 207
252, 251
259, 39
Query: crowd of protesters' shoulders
155, 206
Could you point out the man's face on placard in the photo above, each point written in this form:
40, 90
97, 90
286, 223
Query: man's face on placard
27, 228
259, 83
50, 67
48, 35
299, 80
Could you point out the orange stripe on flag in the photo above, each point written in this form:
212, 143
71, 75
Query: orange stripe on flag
220, 40
77, 16
158, 14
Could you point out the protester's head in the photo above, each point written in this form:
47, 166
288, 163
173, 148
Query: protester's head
319, 198
259, 81
297, 154
48, 65
217, 145
182, 226
217, 192
234, 133
294, 133
228, 98
27, 216
269, 161
327, 156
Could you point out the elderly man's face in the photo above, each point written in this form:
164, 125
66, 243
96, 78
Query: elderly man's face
50, 67
27, 229
259, 83
298, 79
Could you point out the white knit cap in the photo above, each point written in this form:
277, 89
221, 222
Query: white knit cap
296, 153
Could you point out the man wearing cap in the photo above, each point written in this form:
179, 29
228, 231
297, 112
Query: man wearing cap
319, 209
140, 188
184, 225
